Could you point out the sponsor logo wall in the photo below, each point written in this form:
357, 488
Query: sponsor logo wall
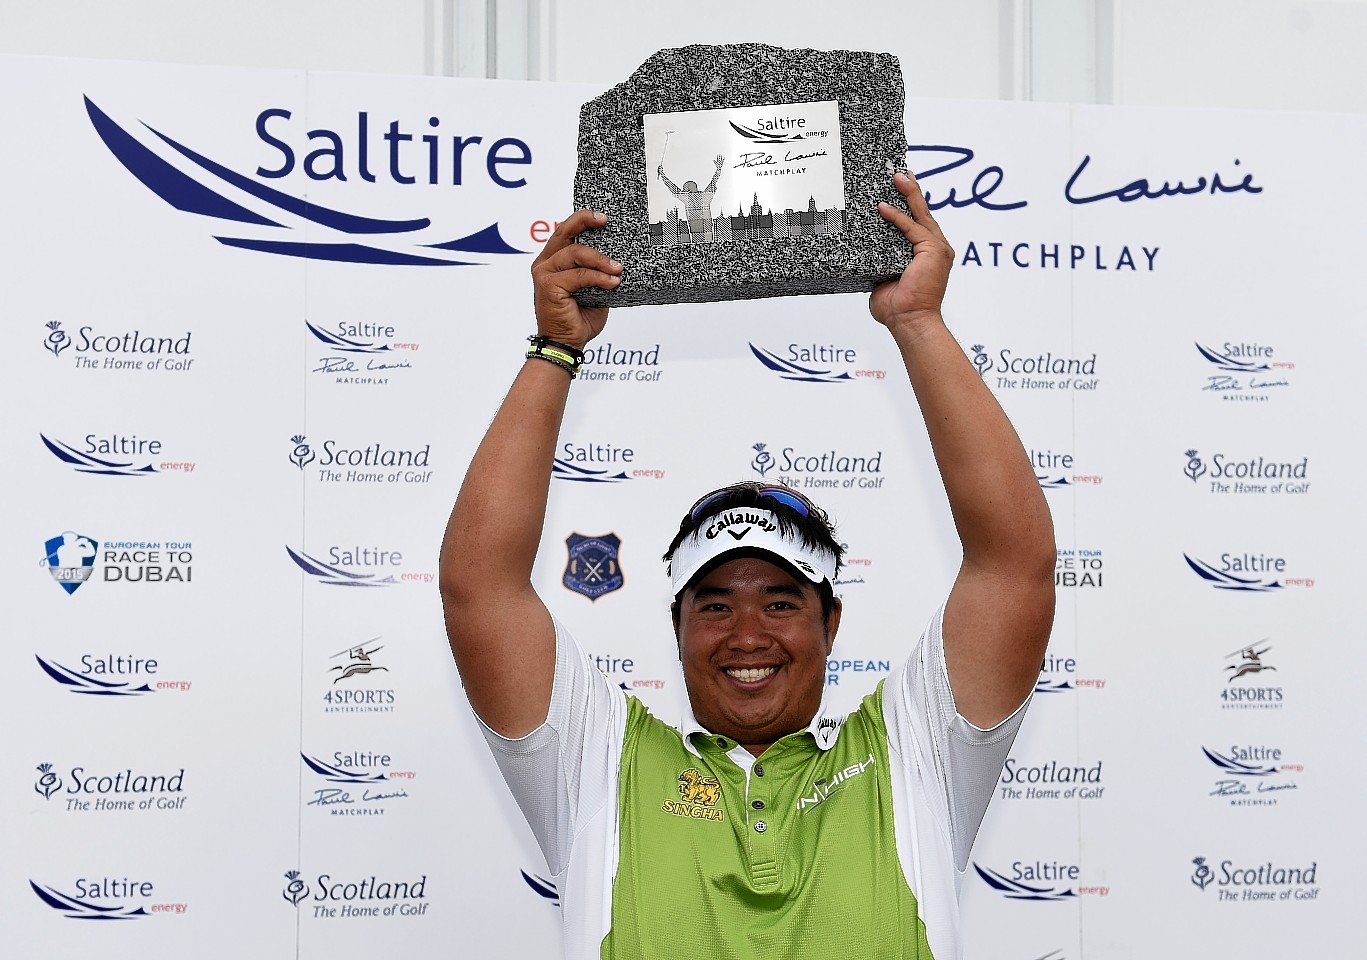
254, 347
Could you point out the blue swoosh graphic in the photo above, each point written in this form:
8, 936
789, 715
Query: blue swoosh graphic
340, 252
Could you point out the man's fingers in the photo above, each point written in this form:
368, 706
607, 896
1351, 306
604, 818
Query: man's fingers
565, 282
916, 201
568, 230
576, 255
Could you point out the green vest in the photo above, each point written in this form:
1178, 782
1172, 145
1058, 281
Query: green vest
804, 865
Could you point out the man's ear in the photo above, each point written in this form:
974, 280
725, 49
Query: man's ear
674, 616
833, 623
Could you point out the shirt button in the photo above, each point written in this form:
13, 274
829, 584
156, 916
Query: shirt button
759, 769
757, 804
761, 826
721, 742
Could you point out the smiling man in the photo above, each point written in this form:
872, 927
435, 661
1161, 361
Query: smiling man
759, 826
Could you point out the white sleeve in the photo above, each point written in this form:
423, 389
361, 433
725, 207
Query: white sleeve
563, 772
956, 763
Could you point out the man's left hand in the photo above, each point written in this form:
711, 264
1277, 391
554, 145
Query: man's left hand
915, 297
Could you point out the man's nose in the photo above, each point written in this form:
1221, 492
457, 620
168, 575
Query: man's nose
749, 632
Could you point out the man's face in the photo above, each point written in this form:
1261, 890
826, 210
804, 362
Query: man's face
753, 644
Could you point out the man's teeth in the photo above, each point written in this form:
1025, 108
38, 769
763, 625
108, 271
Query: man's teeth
751, 674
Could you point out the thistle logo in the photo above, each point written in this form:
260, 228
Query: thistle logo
1043, 371
814, 363
295, 889
129, 350
1245, 572
302, 455
345, 565
1202, 876
70, 559
48, 782
1245, 688
824, 469
248, 208
1251, 475
57, 339
593, 568
1245, 372
1252, 774
543, 888
1042, 880
1264, 882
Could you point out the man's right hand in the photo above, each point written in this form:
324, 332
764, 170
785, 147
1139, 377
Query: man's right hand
563, 267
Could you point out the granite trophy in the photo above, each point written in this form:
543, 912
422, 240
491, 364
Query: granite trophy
743, 171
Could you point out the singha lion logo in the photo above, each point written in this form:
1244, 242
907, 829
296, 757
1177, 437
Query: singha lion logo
695, 788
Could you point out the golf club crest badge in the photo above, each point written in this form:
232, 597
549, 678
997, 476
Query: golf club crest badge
593, 568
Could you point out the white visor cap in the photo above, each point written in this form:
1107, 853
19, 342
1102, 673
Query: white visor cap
746, 528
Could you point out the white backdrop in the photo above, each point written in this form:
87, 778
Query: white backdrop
243, 734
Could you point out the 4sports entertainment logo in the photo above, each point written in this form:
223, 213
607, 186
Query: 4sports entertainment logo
248, 214
1243, 372
1247, 681
815, 363
359, 680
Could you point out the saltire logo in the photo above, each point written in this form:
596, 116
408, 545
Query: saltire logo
239, 201
592, 568
1237, 767
1017, 890
1227, 581
345, 344
544, 888
70, 559
85, 463
764, 136
77, 683
76, 909
1052, 686
1224, 361
1053, 483
793, 371
335, 576
340, 774
564, 470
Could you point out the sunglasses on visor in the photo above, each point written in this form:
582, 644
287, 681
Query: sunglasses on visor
783, 495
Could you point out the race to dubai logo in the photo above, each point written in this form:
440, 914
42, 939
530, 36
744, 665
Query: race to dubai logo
97, 454
1043, 371
592, 568
815, 363
127, 350
70, 559
1248, 475
247, 214
1243, 372
1039, 880
105, 898
1081, 567
1246, 572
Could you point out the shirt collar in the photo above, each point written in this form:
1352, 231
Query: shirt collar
824, 728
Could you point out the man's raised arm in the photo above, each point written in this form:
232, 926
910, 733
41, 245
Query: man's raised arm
500, 632
1001, 608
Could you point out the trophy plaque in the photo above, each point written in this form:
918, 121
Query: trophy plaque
744, 171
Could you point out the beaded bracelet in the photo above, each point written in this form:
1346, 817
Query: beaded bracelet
564, 356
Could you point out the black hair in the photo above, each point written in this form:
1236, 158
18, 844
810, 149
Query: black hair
814, 530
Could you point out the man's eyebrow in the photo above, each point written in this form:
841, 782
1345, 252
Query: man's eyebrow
784, 589
706, 593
